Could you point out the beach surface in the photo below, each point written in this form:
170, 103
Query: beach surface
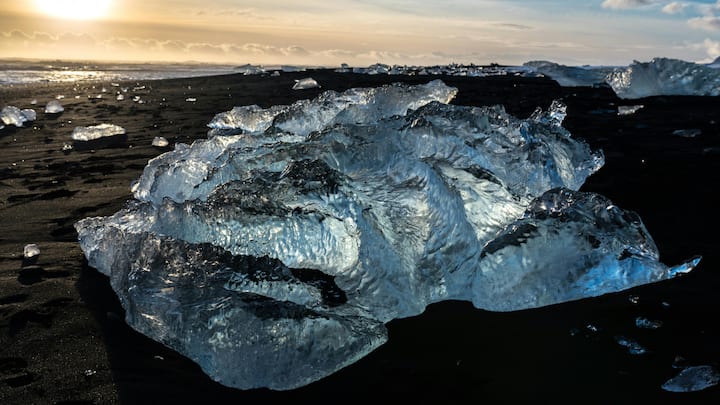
62, 335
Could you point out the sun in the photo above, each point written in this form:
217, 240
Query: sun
74, 9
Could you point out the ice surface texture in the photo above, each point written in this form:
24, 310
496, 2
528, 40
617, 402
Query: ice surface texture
660, 76
274, 256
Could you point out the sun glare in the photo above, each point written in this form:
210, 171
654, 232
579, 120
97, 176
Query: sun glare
74, 9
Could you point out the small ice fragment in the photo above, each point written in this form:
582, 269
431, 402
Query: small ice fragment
136, 99
306, 83
115, 84
629, 109
54, 107
592, 328
679, 362
33, 102
12, 115
645, 323
96, 132
2, 126
275, 73
191, 99
687, 133
632, 346
693, 379
59, 97
31, 250
67, 147
634, 299
89, 373
288, 69
160, 142
138, 88
120, 97
29, 114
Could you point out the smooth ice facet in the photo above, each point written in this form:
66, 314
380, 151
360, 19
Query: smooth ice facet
273, 253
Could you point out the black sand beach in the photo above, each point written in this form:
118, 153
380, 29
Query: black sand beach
62, 335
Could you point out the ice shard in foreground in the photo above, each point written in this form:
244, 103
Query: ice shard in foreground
274, 256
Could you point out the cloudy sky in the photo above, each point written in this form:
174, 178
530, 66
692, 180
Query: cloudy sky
360, 32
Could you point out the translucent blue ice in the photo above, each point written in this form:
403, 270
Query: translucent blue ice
274, 252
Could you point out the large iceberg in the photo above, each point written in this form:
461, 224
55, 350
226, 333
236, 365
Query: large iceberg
663, 76
274, 256
660, 76
571, 76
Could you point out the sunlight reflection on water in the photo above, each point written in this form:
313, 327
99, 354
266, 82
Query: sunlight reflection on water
24, 73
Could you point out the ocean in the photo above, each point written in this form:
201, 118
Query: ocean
14, 72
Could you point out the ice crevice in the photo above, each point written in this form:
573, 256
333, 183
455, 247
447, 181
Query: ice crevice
274, 252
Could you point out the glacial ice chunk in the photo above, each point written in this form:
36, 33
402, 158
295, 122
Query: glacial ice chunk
160, 142
306, 83
11, 115
274, 257
693, 379
95, 132
29, 113
354, 106
290, 68
249, 70
688, 133
570, 76
662, 76
629, 109
631, 345
54, 107
31, 250
645, 323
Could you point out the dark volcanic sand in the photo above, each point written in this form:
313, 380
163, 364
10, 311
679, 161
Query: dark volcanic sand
62, 334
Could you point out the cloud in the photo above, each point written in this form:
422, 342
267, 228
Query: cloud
76, 45
674, 7
708, 23
513, 26
712, 48
626, 4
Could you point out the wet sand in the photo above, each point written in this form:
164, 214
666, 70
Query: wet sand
62, 334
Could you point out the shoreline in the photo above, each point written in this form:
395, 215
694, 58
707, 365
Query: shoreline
62, 334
